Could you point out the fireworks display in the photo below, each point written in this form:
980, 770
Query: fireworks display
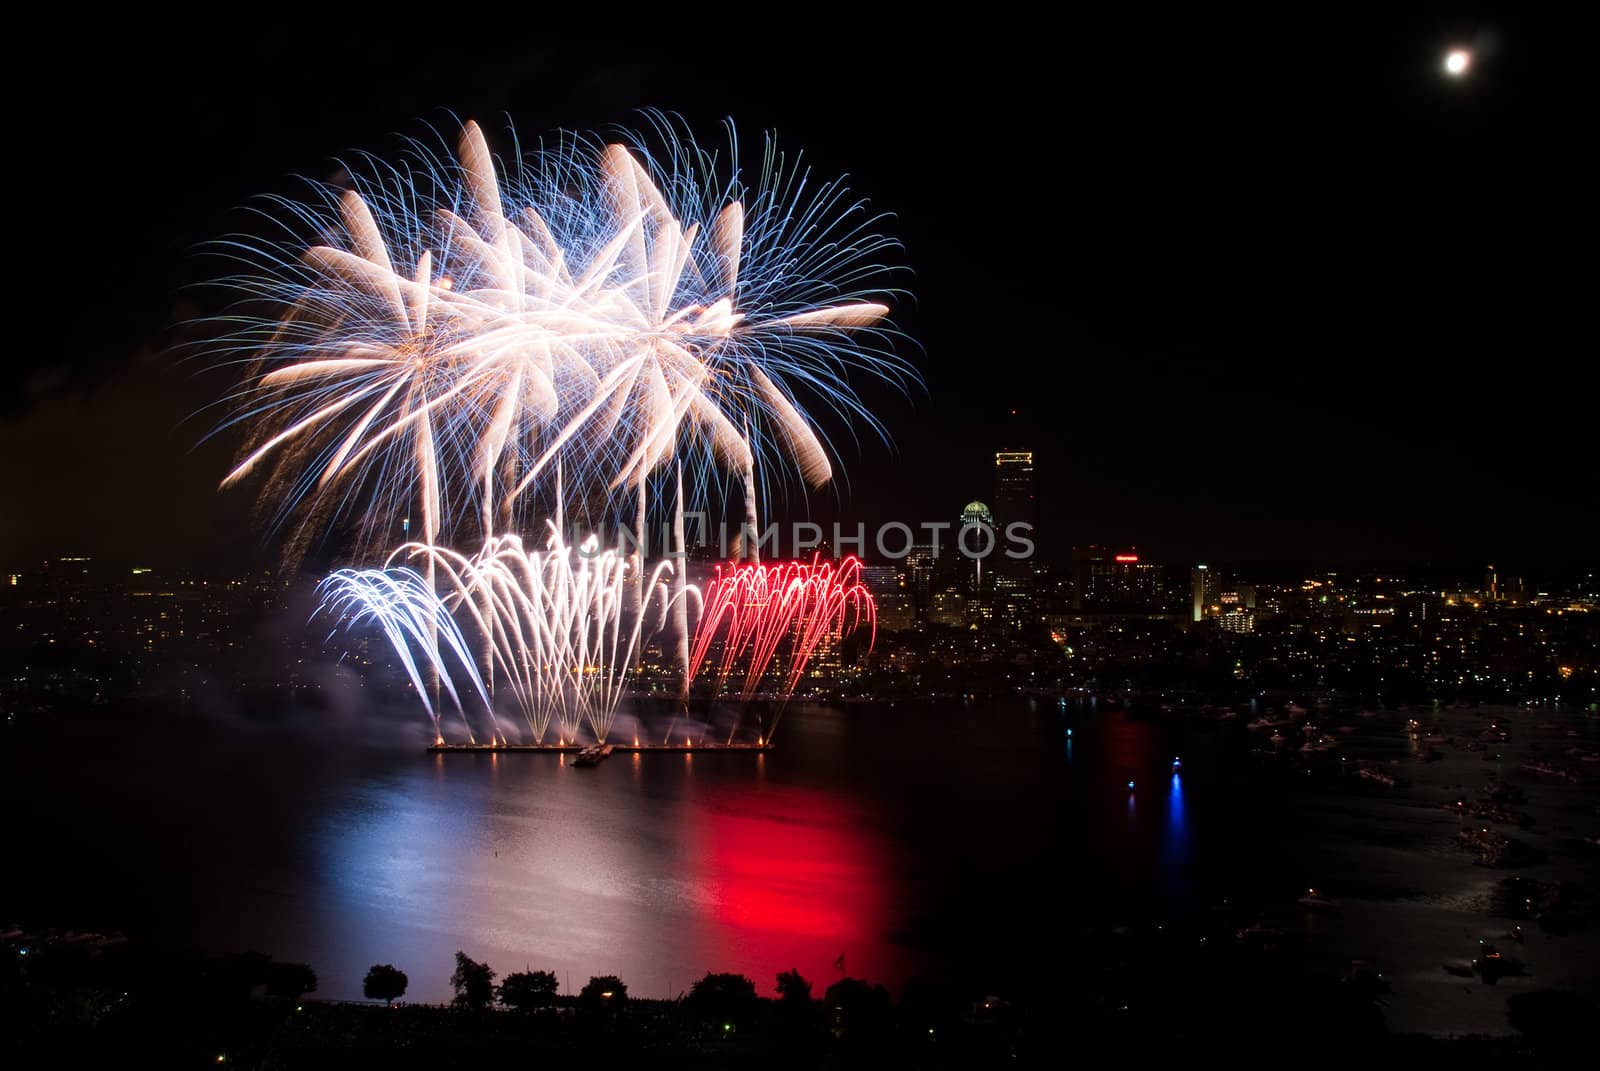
554, 624
414, 620
485, 342
453, 331
755, 612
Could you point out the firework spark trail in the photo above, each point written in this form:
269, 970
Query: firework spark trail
413, 619
454, 330
754, 609
557, 622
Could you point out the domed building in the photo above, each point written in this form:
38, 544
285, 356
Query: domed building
973, 515
976, 513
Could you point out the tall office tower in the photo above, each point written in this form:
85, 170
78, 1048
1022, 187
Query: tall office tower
1205, 583
918, 570
881, 579
1013, 487
1013, 504
897, 607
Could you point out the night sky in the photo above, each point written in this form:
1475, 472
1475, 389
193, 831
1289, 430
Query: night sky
1259, 290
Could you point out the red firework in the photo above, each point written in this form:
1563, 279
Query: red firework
755, 608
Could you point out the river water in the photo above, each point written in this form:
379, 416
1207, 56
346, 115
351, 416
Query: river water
906, 841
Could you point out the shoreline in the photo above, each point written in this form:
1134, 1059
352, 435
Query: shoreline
573, 749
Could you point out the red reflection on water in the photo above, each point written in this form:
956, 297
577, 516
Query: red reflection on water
790, 878
1129, 747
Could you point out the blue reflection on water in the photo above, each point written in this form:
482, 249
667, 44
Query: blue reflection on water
1175, 847
1177, 825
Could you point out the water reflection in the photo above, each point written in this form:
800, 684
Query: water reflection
886, 835
640, 868
1175, 845
789, 878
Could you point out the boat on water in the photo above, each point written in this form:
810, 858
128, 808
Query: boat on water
1324, 742
1315, 901
1366, 976
593, 755
1258, 932
1494, 965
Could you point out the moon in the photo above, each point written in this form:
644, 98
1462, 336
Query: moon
1457, 62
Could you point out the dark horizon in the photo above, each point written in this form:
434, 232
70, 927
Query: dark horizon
1259, 292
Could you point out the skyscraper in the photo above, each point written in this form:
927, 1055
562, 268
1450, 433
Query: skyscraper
880, 579
918, 572
1204, 583
896, 605
1013, 487
975, 515
1013, 504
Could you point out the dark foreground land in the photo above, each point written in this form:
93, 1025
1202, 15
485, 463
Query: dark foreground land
80, 1000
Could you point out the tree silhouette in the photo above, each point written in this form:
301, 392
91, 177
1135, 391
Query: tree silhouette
791, 986
290, 981
473, 983
236, 976
605, 992
385, 982
860, 1013
797, 1021
528, 990
723, 1000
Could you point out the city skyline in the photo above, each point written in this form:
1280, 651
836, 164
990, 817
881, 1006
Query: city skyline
1011, 481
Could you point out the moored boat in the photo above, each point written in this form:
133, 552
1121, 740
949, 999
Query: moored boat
593, 755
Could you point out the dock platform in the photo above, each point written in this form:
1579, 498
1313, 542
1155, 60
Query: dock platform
573, 749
